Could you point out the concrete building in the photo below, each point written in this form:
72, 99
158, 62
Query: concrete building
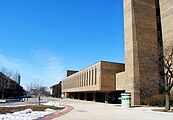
17, 77
95, 83
166, 11
148, 26
141, 36
145, 22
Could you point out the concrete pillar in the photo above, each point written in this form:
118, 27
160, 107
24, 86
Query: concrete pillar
106, 97
85, 96
78, 96
94, 97
66, 95
73, 95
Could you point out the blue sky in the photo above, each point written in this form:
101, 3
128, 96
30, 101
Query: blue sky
42, 38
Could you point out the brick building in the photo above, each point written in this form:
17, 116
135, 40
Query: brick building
55, 90
9, 87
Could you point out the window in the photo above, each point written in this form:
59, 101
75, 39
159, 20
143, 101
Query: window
89, 77
92, 77
84, 78
95, 76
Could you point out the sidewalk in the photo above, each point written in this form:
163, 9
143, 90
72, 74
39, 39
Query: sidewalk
86, 110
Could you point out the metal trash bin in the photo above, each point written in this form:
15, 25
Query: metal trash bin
125, 100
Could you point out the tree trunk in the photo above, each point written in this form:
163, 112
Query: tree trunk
39, 99
167, 104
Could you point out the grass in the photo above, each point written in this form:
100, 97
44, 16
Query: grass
4, 110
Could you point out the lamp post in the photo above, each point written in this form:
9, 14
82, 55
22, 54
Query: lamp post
39, 99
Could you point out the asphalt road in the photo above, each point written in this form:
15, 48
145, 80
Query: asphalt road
28, 101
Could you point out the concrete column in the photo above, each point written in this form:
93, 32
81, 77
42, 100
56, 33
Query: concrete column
106, 97
94, 97
78, 96
73, 95
66, 95
85, 96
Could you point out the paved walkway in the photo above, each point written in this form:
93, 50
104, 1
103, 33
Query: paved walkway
85, 110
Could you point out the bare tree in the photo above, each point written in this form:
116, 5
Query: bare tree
168, 73
36, 89
6, 72
29, 87
164, 59
160, 61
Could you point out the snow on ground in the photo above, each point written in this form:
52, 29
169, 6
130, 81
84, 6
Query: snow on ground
29, 114
54, 103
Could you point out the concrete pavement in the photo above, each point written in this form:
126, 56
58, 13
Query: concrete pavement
86, 110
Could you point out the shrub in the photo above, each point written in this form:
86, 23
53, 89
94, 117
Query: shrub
156, 100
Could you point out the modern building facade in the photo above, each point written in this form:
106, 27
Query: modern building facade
148, 27
95, 82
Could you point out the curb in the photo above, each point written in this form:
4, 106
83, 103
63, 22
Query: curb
58, 113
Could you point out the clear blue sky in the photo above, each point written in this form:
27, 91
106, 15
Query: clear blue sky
42, 38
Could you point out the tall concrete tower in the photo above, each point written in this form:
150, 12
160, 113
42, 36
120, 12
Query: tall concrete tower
166, 10
141, 37
17, 77
148, 26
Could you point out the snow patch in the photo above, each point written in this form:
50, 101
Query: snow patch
54, 103
27, 114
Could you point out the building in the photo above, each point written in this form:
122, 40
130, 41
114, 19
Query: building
95, 83
55, 90
141, 36
148, 26
17, 77
6, 82
9, 87
166, 14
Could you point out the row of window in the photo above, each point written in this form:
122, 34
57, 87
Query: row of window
81, 79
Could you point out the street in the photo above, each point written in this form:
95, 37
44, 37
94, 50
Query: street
30, 101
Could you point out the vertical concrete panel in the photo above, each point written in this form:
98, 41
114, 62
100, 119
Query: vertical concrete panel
166, 10
106, 98
129, 48
140, 27
94, 97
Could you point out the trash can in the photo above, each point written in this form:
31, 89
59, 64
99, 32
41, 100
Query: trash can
125, 100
